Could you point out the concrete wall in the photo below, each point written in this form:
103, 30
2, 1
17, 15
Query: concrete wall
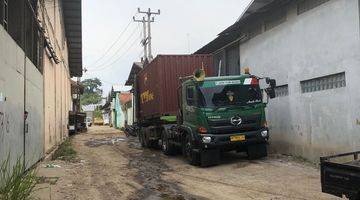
34, 137
322, 41
11, 88
13, 100
119, 120
57, 93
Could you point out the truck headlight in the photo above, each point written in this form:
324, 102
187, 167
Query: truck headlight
206, 139
264, 134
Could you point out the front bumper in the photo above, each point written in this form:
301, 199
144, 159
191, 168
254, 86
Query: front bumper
222, 141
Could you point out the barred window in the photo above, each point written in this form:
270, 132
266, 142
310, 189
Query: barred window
282, 91
306, 5
275, 19
20, 21
4, 5
324, 83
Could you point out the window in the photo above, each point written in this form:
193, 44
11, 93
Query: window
275, 19
324, 83
190, 95
21, 23
6, 14
4, 8
306, 5
282, 91
1, 12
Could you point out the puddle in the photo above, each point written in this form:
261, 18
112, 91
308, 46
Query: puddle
150, 168
104, 141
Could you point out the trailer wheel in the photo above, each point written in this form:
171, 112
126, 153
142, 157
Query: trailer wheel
166, 147
141, 137
188, 151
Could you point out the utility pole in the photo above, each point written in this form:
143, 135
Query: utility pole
144, 40
149, 20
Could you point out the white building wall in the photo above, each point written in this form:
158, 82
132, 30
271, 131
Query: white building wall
322, 41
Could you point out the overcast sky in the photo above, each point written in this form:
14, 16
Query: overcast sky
183, 27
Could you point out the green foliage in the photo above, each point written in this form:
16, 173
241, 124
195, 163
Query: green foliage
15, 183
92, 86
65, 152
87, 99
92, 91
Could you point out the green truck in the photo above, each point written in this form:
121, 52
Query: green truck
214, 114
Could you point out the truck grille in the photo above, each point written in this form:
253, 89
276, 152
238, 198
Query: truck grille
249, 123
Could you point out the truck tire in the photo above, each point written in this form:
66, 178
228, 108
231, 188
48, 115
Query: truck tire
166, 147
141, 137
256, 151
188, 151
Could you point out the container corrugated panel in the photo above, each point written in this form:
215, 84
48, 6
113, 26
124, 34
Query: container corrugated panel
159, 81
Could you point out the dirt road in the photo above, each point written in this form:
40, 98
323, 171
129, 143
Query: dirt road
112, 166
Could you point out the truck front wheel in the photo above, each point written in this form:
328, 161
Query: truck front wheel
188, 151
257, 151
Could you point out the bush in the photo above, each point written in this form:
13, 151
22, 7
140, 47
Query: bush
16, 183
65, 151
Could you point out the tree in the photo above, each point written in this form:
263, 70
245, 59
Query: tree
92, 91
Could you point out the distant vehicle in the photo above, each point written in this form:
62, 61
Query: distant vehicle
106, 121
201, 116
89, 121
98, 122
341, 178
77, 122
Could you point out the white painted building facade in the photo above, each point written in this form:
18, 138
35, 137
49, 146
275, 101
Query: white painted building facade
313, 51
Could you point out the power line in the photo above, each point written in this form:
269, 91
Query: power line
113, 44
120, 57
118, 50
99, 68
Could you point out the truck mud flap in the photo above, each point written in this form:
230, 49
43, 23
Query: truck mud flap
209, 157
257, 151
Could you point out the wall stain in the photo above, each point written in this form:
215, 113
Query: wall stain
2, 118
358, 122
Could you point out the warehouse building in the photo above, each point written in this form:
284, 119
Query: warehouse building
40, 50
312, 49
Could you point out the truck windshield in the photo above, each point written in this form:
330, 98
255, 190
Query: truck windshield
229, 95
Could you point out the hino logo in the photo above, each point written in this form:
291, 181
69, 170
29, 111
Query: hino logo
236, 120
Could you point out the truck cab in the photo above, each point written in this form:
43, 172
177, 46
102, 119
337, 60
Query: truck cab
218, 114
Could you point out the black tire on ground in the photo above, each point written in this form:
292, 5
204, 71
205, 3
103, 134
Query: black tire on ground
141, 138
188, 147
147, 143
166, 147
257, 151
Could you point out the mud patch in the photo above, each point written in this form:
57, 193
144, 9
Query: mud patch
150, 168
104, 141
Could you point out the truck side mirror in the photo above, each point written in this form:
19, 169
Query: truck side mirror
271, 92
271, 82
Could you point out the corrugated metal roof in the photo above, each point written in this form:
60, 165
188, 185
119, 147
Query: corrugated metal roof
125, 97
73, 31
233, 32
136, 68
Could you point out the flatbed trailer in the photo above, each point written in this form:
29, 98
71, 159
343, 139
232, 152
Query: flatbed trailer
341, 179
